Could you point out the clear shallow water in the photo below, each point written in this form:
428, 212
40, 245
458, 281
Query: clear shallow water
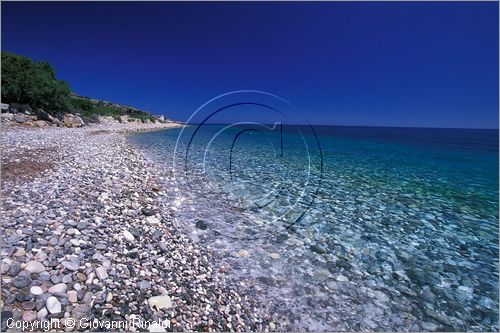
393, 229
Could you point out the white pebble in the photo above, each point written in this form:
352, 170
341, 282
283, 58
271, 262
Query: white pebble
128, 236
35, 290
53, 305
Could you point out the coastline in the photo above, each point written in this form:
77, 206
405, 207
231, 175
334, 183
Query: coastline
87, 233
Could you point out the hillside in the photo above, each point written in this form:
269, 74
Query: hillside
90, 109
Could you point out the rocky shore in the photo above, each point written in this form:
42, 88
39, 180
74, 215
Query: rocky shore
87, 234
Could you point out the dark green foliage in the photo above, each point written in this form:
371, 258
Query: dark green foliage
33, 83
101, 110
143, 116
83, 104
14, 78
108, 111
88, 108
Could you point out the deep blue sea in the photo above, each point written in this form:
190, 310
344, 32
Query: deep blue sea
344, 228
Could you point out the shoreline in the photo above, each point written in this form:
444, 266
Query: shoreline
87, 232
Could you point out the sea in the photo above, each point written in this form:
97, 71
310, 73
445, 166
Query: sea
338, 228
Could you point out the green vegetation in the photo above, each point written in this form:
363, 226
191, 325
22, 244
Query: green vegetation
35, 84
89, 109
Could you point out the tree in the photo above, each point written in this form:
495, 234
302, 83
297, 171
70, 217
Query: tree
33, 83
14, 78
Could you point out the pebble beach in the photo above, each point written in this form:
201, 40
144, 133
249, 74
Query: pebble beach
88, 234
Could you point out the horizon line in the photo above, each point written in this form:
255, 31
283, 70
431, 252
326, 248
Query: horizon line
377, 126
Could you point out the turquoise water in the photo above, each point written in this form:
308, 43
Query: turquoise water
347, 228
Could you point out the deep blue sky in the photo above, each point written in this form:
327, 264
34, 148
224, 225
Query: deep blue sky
394, 64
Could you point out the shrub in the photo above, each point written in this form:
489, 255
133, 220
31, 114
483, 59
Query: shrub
82, 104
33, 83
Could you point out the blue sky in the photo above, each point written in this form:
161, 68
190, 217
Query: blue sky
379, 64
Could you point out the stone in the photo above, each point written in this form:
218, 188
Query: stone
101, 273
73, 296
135, 231
80, 311
20, 118
15, 268
156, 234
41, 123
29, 316
58, 288
28, 305
5, 268
342, 278
21, 297
98, 256
202, 225
160, 302
429, 326
41, 300
34, 267
81, 225
72, 266
88, 297
65, 279
21, 282
243, 253
20, 252
55, 279
42, 313
53, 305
343, 263
6, 315
42, 115
101, 246
35, 290
128, 236
7, 116
152, 220
163, 247
43, 276
317, 249
274, 255
133, 254
486, 302
148, 211
143, 285
71, 120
